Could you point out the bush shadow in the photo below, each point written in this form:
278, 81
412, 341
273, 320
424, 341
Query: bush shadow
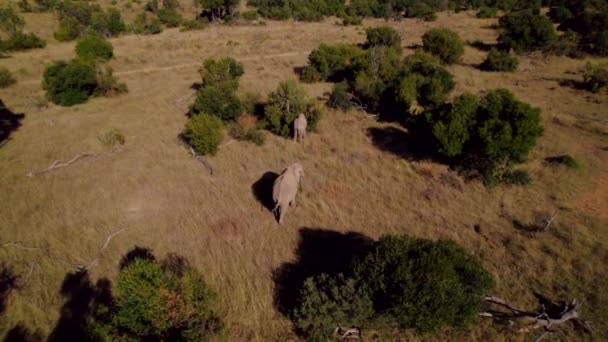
319, 251
479, 45
80, 295
574, 84
9, 122
8, 283
21, 333
262, 189
136, 253
401, 143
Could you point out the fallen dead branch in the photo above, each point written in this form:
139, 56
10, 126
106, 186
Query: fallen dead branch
202, 160
96, 260
343, 334
57, 164
18, 245
549, 315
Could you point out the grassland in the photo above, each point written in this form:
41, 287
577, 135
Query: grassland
359, 178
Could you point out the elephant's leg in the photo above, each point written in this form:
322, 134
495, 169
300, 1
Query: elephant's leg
283, 211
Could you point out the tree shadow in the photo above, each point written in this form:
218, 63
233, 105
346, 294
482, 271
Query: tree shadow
319, 251
8, 283
262, 189
137, 253
21, 333
9, 122
482, 46
80, 297
401, 143
574, 84
175, 264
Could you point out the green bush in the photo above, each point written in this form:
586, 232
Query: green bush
69, 83
452, 125
487, 12
340, 97
517, 177
589, 19
250, 15
22, 41
69, 29
112, 138
25, 6
331, 62
383, 36
10, 21
151, 302
566, 44
145, 24
325, 302
225, 70
526, 31
218, 100
219, 9
426, 84
169, 17
77, 18
284, 105
423, 284
595, 77
411, 283
499, 61
444, 44
108, 24
151, 6
190, 25
204, 133
241, 132
94, 48
6, 77
107, 85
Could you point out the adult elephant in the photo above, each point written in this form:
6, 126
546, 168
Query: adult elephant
285, 189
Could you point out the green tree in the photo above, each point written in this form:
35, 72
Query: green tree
10, 22
219, 100
93, 48
283, 106
204, 133
224, 70
452, 125
6, 78
526, 31
444, 44
499, 61
383, 36
69, 83
219, 8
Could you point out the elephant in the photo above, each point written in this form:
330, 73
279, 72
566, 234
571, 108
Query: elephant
285, 188
299, 128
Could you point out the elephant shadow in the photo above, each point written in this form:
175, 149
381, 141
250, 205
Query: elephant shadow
262, 189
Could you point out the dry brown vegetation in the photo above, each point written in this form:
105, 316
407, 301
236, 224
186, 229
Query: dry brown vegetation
359, 177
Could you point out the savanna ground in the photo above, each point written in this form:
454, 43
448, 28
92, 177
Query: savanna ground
361, 176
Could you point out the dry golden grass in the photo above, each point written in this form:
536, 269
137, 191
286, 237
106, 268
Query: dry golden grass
168, 202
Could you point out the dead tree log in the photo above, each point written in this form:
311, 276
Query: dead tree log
59, 164
344, 334
549, 315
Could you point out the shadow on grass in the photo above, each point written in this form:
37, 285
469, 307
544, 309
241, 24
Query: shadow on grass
21, 333
479, 45
8, 283
319, 251
9, 122
262, 189
574, 84
401, 143
136, 253
80, 296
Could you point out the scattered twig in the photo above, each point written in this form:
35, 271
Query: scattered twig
29, 273
202, 160
548, 222
342, 334
18, 245
59, 164
96, 260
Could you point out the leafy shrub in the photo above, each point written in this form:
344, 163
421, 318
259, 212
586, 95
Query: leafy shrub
595, 77
145, 24
69, 83
565, 160
331, 62
526, 31
77, 18
283, 106
22, 41
169, 17
444, 44
93, 48
587, 18
190, 25
107, 85
69, 29
204, 133
411, 283
250, 15
351, 20
6, 77
224, 70
423, 284
219, 100
112, 138
487, 12
243, 130
566, 44
218, 9
151, 302
24, 6
425, 84
299, 10
452, 124
10, 21
151, 6
517, 177
340, 97
383, 36
325, 302
499, 61
108, 24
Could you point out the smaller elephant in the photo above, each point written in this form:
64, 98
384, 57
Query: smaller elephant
299, 128
285, 188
